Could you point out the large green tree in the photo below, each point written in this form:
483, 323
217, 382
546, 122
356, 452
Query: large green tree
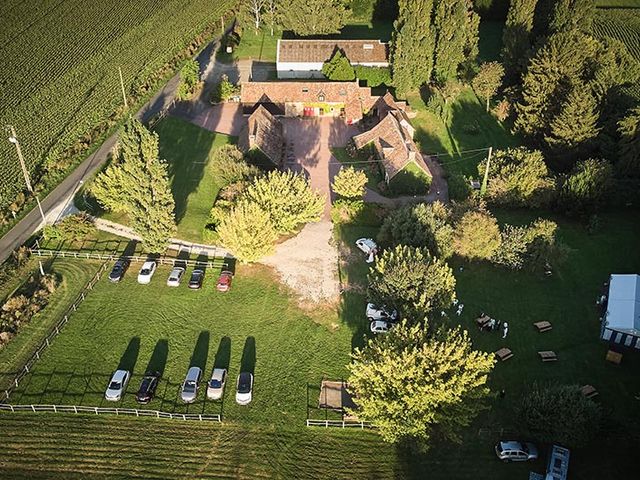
587, 187
338, 68
288, 199
572, 14
517, 38
350, 183
313, 17
488, 80
518, 177
413, 45
421, 225
629, 145
456, 27
411, 280
413, 384
137, 183
477, 236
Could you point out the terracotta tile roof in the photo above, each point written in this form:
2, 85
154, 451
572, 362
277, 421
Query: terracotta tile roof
263, 131
274, 95
392, 138
319, 51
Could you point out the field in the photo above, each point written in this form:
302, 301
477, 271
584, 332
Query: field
60, 68
622, 25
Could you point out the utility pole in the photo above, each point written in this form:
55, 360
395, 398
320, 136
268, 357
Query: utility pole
483, 189
124, 95
14, 139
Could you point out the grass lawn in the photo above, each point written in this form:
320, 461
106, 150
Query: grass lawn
411, 180
469, 127
255, 327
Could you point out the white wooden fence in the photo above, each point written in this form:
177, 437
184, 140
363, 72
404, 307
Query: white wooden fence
54, 332
42, 252
338, 424
83, 409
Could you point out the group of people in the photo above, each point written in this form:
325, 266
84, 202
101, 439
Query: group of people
492, 325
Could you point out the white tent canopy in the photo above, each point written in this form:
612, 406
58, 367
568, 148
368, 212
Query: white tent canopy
622, 320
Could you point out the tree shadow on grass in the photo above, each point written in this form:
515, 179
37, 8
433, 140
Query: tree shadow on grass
248, 362
130, 356
158, 360
201, 351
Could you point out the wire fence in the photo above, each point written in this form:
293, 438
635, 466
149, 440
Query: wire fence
83, 409
339, 424
54, 332
163, 260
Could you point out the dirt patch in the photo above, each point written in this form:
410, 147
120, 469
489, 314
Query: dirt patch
308, 263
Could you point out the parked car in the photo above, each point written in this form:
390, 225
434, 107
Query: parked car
146, 272
175, 277
381, 313
369, 247
117, 386
380, 326
117, 272
224, 281
190, 385
244, 388
512, 451
197, 276
148, 387
215, 387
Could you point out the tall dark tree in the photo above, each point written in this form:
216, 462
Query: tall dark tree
413, 45
629, 145
456, 26
313, 17
517, 38
572, 14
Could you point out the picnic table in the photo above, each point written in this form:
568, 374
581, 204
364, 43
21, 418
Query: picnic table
543, 326
548, 356
483, 320
614, 357
504, 354
589, 391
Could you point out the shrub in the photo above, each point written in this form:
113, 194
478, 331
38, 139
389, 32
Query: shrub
349, 183
228, 165
534, 246
373, 76
74, 227
224, 90
477, 236
411, 280
436, 104
459, 187
587, 187
287, 198
248, 232
421, 225
338, 68
559, 414
502, 110
189, 80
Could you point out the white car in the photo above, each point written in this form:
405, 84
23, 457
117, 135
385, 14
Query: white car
146, 272
244, 388
190, 385
382, 313
369, 247
215, 387
117, 386
380, 326
175, 277
512, 451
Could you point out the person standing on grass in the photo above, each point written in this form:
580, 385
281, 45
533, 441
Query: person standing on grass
506, 330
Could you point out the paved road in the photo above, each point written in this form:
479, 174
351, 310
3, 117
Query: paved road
65, 190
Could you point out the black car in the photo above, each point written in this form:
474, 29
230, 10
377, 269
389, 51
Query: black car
196, 278
117, 272
148, 387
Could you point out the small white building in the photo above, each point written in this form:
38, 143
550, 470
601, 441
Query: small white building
304, 58
621, 323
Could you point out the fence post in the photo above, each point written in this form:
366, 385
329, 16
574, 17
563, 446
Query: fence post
96, 409
54, 409
75, 409
137, 413
33, 408
12, 409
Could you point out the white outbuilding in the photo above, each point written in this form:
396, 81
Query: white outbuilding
621, 322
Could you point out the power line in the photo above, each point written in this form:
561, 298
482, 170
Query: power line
478, 154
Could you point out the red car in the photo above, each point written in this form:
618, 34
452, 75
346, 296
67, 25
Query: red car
224, 281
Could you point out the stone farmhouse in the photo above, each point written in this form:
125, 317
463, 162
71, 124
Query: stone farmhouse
263, 132
304, 58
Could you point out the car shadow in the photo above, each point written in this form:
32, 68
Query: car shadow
201, 351
248, 362
223, 355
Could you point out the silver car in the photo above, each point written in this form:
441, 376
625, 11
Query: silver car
215, 387
117, 386
190, 385
175, 277
512, 451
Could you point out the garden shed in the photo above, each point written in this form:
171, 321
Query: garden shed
621, 322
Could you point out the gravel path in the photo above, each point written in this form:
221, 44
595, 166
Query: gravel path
308, 263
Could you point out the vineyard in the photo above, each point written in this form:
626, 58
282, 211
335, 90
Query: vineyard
59, 82
622, 25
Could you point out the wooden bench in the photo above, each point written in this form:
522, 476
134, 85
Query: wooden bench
548, 356
482, 321
614, 357
589, 391
543, 326
504, 354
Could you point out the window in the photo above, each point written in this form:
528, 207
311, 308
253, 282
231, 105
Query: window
321, 97
305, 90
